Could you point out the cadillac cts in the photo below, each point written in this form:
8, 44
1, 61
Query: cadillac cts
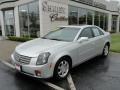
57, 52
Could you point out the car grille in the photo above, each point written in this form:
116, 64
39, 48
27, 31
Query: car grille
22, 59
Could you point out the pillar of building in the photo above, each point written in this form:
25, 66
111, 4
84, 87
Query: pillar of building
2, 23
17, 23
109, 22
93, 19
118, 21
41, 19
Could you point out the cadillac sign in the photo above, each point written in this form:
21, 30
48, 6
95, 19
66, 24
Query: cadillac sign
52, 8
56, 11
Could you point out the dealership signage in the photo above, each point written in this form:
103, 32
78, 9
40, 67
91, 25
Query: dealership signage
53, 13
47, 7
55, 10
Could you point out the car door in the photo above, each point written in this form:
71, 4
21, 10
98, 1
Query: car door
86, 48
98, 40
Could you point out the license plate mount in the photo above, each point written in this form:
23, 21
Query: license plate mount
18, 67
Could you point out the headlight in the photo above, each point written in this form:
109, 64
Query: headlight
43, 58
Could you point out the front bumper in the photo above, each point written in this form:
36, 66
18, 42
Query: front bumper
45, 71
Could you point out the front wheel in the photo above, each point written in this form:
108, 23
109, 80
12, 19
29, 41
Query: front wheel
105, 50
62, 69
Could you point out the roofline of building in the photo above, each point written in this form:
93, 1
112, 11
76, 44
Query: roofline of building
96, 7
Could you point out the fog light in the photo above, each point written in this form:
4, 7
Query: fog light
38, 72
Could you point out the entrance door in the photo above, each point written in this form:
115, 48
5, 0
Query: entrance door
9, 23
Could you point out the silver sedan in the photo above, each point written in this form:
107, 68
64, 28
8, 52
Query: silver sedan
57, 52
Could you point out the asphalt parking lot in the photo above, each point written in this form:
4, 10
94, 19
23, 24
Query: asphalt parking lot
95, 74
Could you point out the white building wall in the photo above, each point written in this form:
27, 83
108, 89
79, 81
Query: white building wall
17, 24
109, 22
118, 21
2, 23
45, 21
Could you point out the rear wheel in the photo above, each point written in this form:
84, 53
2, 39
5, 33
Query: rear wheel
62, 69
106, 50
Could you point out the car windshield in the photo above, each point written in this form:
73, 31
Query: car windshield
63, 34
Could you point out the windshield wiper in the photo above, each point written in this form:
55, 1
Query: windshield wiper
51, 39
43, 38
56, 39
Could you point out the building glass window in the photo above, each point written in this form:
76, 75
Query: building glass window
114, 23
73, 15
106, 23
78, 16
102, 20
34, 21
82, 16
29, 20
23, 16
97, 19
90, 17
9, 23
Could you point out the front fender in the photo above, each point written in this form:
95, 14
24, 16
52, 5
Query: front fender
57, 56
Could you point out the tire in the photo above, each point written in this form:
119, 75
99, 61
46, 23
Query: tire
62, 69
106, 50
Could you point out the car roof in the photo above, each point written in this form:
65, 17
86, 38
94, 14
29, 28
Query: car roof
80, 26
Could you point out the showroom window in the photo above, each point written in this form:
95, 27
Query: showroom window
79, 16
90, 17
29, 20
9, 22
114, 23
82, 16
73, 15
97, 19
102, 20
106, 22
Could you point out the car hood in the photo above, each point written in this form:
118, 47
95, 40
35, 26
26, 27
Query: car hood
34, 47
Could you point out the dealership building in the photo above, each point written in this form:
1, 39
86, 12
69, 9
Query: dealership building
35, 18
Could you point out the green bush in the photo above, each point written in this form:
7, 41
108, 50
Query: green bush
20, 39
115, 45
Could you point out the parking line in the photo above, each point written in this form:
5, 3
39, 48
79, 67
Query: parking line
44, 82
53, 86
70, 81
8, 64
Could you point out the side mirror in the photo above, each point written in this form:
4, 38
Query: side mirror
83, 39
